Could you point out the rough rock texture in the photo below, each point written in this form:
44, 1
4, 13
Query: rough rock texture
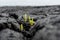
51, 31
8, 34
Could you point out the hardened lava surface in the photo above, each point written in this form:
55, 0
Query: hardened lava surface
51, 31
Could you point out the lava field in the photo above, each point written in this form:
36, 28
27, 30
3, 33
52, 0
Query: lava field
51, 31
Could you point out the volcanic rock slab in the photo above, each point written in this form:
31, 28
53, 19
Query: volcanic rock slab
8, 34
